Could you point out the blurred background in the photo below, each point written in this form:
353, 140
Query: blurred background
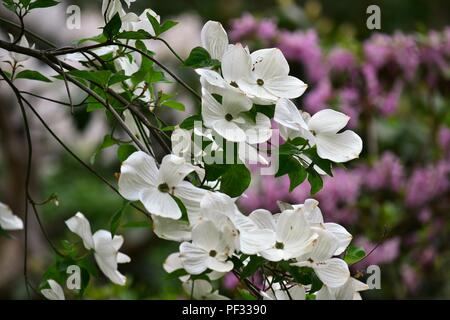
393, 82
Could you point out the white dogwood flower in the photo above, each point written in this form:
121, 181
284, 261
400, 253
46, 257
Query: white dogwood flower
143, 23
249, 238
333, 272
214, 39
293, 234
105, 246
140, 179
269, 78
314, 216
349, 291
173, 263
263, 75
229, 120
170, 229
322, 130
9, 221
55, 292
278, 292
210, 249
202, 290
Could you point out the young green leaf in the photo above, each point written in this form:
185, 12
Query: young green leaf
200, 58
174, 105
124, 151
112, 28
166, 25
42, 4
315, 180
134, 35
32, 75
235, 180
354, 254
188, 123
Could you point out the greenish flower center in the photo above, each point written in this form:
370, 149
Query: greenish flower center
163, 187
279, 245
260, 82
228, 117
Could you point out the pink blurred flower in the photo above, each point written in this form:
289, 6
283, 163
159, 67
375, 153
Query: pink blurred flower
386, 252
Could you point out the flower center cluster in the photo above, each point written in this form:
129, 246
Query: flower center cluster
279, 245
228, 117
164, 187
260, 82
213, 253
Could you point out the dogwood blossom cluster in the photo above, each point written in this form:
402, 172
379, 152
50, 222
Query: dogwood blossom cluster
209, 226
246, 97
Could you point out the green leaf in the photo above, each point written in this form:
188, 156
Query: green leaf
235, 180
354, 254
296, 177
98, 39
200, 58
117, 217
112, 28
101, 77
134, 35
32, 75
184, 215
124, 151
176, 274
4, 233
10, 5
174, 105
323, 164
155, 24
299, 141
245, 295
42, 4
315, 180
293, 168
268, 110
117, 77
253, 265
188, 123
168, 24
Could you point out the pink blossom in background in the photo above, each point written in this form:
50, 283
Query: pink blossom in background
444, 138
427, 256
385, 173
406, 53
425, 215
427, 183
410, 278
390, 102
230, 281
377, 49
316, 98
349, 104
304, 48
341, 60
386, 252
242, 27
267, 29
